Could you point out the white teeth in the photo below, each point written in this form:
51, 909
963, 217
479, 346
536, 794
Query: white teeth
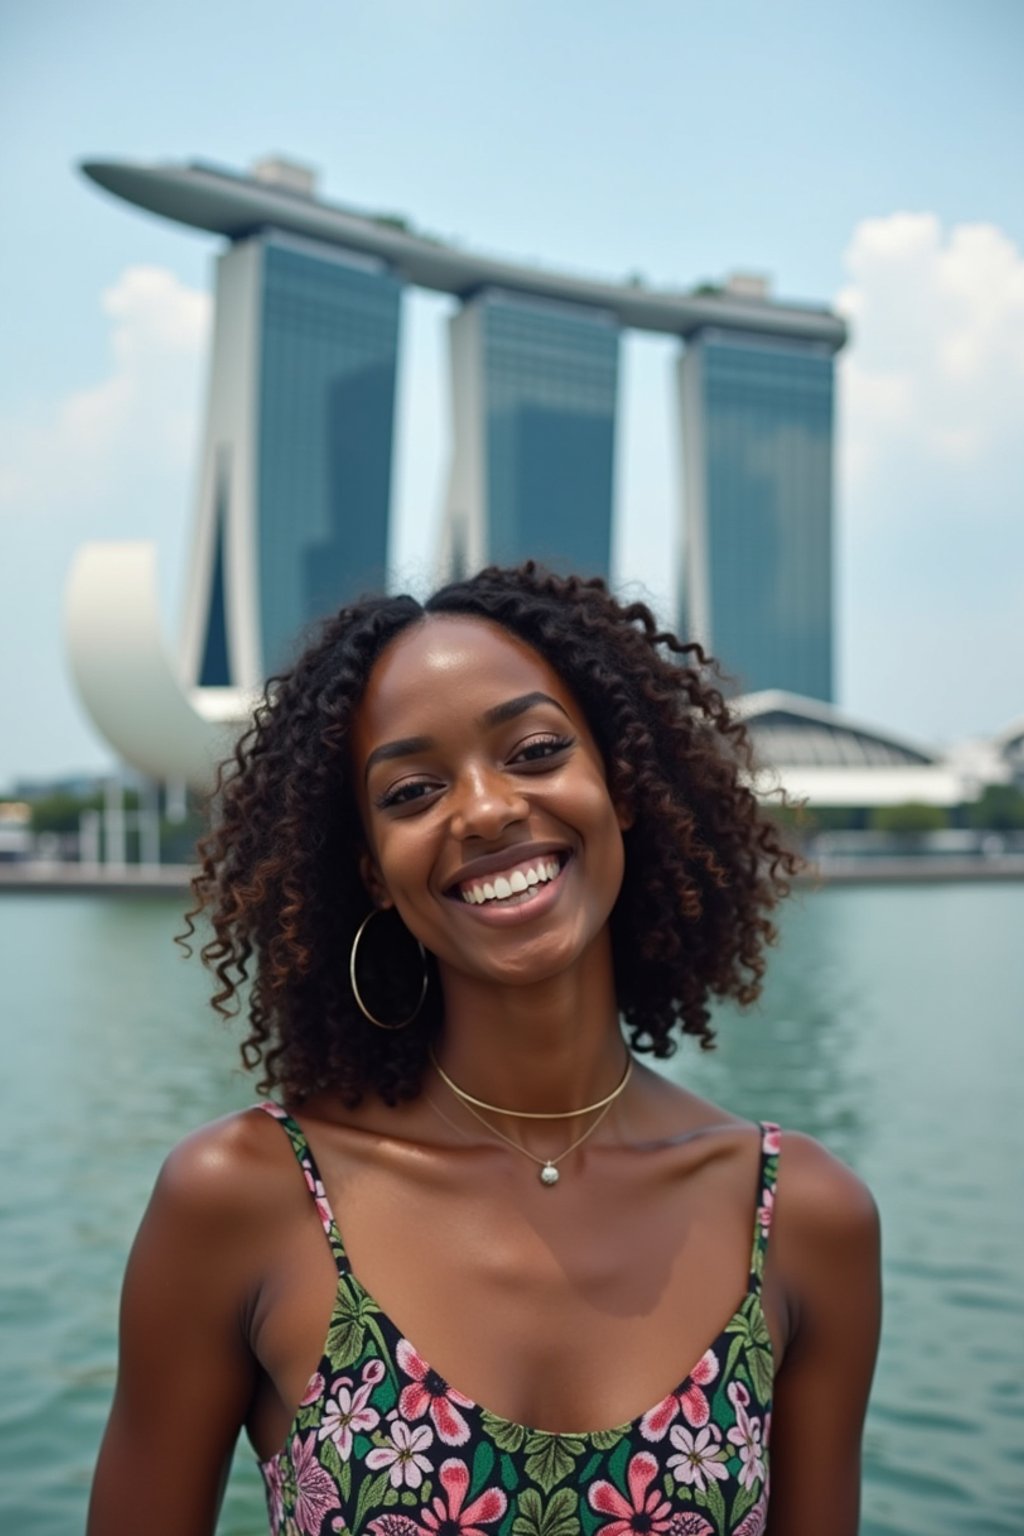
513, 884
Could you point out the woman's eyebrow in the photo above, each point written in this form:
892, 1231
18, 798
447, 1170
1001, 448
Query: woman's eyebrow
513, 707
408, 746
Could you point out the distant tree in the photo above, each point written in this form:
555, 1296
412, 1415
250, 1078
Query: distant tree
912, 818
839, 818
60, 811
999, 809
808, 820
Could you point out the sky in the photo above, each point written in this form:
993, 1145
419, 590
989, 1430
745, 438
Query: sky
863, 157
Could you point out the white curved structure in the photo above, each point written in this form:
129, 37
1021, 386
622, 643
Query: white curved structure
125, 677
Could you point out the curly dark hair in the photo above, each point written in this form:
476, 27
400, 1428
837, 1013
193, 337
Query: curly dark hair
279, 877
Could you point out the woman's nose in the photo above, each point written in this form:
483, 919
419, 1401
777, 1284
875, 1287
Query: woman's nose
486, 802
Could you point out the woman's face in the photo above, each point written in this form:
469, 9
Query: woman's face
483, 796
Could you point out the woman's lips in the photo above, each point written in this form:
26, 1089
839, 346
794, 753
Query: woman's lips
516, 880
531, 901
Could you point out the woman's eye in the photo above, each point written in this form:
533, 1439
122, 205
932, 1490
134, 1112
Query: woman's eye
404, 794
541, 747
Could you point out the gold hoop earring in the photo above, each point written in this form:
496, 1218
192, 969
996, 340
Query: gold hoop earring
403, 1023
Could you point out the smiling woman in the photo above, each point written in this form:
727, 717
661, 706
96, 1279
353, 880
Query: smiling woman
480, 855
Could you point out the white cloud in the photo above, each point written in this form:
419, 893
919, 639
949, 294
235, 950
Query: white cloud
934, 375
114, 460
931, 475
141, 416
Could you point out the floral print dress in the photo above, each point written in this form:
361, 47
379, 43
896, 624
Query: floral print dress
383, 1445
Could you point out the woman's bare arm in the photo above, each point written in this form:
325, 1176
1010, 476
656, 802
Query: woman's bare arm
186, 1375
827, 1256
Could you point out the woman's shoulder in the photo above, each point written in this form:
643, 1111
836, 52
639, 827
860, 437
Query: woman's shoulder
228, 1171
826, 1237
821, 1207
820, 1196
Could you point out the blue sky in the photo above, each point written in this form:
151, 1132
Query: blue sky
865, 156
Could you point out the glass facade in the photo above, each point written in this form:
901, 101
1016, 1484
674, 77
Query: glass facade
766, 410
550, 376
215, 668
328, 343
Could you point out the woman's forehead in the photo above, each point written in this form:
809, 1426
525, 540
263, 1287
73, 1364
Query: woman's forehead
453, 661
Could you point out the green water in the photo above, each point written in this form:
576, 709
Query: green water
891, 1029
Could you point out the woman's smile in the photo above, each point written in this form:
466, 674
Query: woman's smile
516, 891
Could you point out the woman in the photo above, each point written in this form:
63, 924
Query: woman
459, 843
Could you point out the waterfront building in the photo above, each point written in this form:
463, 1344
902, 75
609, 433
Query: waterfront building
820, 756
293, 514
534, 386
757, 463
295, 486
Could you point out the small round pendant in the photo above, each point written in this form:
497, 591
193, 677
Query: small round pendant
549, 1174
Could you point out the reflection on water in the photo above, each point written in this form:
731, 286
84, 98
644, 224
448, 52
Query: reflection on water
793, 1057
890, 1029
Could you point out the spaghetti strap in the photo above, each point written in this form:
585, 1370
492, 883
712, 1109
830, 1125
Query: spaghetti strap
767, 1178
314, 1183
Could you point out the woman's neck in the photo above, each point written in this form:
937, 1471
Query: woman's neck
551, 1046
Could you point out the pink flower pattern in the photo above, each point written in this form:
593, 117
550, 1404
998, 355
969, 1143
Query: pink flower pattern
642, 1511
448, 1516
429, 1392
371, 1446
698, 1457
347, 1412
404, 1457
691, 1401
316, 1493
746, 1433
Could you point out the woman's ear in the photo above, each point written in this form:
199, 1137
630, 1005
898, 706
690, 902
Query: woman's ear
624, 815
369, 873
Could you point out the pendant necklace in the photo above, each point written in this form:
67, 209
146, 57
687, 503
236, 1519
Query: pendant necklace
549, 1174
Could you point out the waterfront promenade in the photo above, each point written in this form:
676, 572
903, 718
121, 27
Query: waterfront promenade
831, 869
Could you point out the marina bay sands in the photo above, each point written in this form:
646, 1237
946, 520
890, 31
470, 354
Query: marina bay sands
295, 492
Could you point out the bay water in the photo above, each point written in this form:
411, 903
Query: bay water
892, 1028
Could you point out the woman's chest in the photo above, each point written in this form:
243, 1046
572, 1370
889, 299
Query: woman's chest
578, 1317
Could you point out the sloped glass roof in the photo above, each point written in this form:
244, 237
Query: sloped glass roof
784, 739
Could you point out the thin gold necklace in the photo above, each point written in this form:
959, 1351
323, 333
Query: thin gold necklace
533, 1114
549, 1173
